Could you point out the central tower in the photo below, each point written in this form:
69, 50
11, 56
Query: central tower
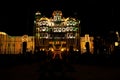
56, 33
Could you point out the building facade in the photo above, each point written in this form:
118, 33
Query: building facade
14, 44
56, 34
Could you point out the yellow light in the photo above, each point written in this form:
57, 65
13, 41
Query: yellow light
116, 43
62, 49
3, 33
87, 38
43, 49
52, 49
117, 32
37, 13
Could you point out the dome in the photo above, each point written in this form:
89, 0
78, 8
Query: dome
37, 13
57, 13
44, 18
3, 33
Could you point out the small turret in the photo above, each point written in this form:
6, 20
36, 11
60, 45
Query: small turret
57, 15
37, 15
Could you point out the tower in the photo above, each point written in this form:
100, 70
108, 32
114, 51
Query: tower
36, 29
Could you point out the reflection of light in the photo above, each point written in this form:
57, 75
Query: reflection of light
116, 43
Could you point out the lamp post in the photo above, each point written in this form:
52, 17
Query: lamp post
118, 37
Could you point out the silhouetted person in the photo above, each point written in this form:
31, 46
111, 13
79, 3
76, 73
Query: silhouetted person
71, 49
96, 46
71, 53
24, 47
87, 47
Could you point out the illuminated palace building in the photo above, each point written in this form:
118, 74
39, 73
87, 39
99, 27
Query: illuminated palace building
56, 34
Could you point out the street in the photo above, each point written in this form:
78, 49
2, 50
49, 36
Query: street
42, 71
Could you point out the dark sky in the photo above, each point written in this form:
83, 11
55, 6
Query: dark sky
17, 17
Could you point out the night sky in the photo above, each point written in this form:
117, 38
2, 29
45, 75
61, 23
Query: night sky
17, 17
